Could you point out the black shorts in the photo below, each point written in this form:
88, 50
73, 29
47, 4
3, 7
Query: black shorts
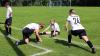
56, 31
27, 32
8, 21
79, 33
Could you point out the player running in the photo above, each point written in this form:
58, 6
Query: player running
55, 29
27, 32
8, 21
77, 29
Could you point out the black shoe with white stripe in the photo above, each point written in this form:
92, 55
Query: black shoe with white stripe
69, 44
93, 50
17, 43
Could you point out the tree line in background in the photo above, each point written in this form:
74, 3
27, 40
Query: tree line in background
51, 2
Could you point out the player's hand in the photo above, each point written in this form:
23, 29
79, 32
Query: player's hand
65, 28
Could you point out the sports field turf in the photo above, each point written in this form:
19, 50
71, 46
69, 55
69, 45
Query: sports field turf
90, 19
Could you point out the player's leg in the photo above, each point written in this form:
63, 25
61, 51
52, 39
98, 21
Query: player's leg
9, 25
69, 37
26, 40
57, 32
26, 35
45, 33
85, 38
6, 26
83, 35
53, 33
38, 40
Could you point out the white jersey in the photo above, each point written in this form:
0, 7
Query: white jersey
74, 20
9, 12
32, 26
55, 27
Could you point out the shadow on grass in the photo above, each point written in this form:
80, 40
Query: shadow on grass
16, 49
65, 43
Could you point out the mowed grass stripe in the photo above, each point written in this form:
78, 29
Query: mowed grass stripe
33, 45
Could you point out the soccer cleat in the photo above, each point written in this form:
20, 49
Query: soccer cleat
69, 44
38, 43
16, 43
93, 50
8, 35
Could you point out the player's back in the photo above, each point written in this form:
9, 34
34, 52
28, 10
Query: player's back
32, 26
74, 20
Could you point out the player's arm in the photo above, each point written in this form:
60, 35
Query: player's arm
46, 28
66, 26
10, 11
67, 23
37, 34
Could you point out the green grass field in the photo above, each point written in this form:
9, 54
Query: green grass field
90, 19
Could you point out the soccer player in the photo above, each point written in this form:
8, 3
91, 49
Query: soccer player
55, 29
8, 21
27, 32
77, 29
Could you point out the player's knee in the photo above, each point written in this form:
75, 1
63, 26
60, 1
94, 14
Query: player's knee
85, 38
26, 40
9, 26
6, 25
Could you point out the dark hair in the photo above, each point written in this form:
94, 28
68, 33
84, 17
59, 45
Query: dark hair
41, 25
7, 3
71, 10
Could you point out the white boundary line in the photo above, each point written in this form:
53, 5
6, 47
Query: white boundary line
31, 44
41, 53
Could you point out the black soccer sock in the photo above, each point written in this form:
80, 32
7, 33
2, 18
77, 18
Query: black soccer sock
52, 34
10, 30
90, 44
69, 38
7, 30
44, 33
21, 42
